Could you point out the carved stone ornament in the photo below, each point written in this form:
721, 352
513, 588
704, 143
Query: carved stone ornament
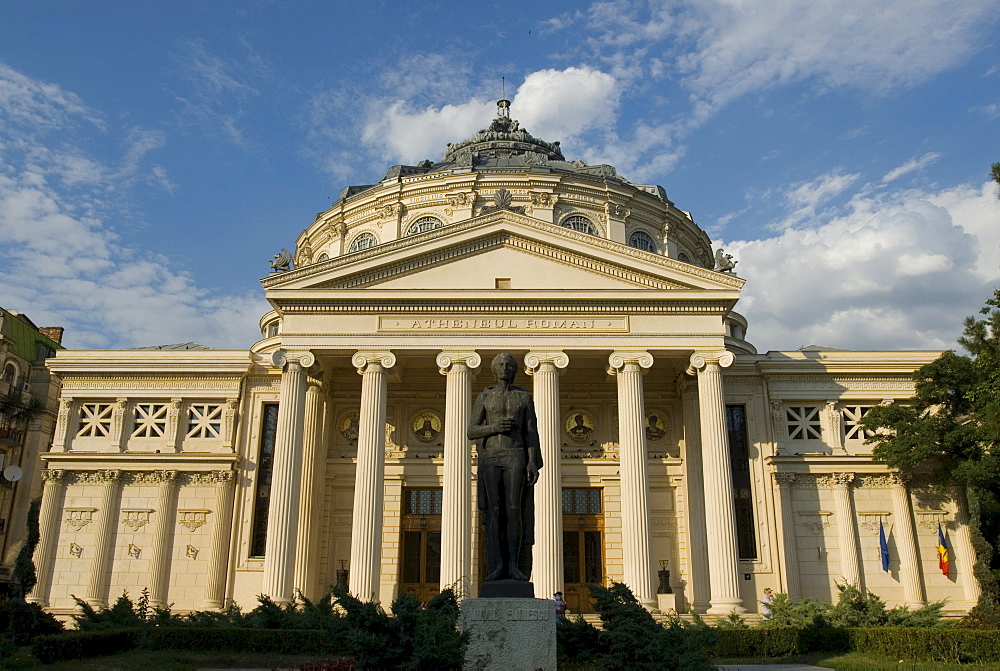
349, 425
282, 262
52, 476
870, 520
280, 358
364, 360
702, 360
619, 359
502, 200
155, 478
446, 360
785, 479
724, 262
108, 477
930, 519
135, 518
192, 520
835, 480
541, 199
460, 199
815, 521
78, 518
580, 426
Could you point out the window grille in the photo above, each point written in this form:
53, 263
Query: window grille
265, 468
641, 240
739, 459
579, 223
423, 224
804, 422
364, 240
581, 501
852, 422
683, 258
150, 420
95, 420
204, 420
423, 501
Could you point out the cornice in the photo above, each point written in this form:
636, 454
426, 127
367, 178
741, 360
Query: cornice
137, 461
166, 362
391, 303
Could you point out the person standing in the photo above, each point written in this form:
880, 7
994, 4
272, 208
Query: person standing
561, 606
765, 603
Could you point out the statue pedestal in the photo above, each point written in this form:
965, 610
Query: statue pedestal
510, 634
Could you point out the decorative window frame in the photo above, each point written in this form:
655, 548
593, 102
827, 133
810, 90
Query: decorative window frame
598, 232
642, 231
357, 236
418, 217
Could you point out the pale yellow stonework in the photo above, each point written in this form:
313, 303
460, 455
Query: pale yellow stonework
633, 335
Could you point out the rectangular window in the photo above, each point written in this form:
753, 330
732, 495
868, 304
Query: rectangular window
265, 466
852, 422
739, 457
581, 501
804, 422
204, 420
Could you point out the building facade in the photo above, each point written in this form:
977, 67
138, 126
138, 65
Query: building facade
336, 449
28, 400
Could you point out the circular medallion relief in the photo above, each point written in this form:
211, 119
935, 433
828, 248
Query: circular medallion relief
348, 425
426, 426
580, 425
656, 425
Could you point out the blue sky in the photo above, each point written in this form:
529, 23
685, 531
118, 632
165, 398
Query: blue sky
153, 156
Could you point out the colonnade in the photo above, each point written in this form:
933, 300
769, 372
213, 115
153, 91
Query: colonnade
545, 367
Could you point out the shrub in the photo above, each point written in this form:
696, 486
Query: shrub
957, 646
578, 641
78, 645
985, 615
248, 640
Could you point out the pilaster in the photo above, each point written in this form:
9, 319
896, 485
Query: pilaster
850, 564
166, 504
110, 482
964, 554
218, 559
696, 527
305, 562
52, 496
793, 582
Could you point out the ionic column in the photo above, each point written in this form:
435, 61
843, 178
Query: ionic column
964, 554
637, 567
103, 530
850, 565
48, 517
718, 477
218, 558
547, 569
305, 562
163, 522
906, 543
696, 528
366, 526
283, 510
785, 483
456, 533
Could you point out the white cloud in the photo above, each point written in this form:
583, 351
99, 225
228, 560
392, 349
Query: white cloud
409, 136
804, 199
64, 264
912, 165
561, 104
897, 271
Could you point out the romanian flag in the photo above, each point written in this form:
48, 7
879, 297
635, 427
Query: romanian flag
942, 550
883, 547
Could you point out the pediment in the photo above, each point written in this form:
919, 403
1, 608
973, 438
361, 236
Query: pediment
476, 253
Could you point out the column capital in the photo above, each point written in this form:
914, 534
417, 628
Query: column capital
362, 360
701, 360
304, 358
54, 476
445, 360
835, 480
785, 479
533, 360
619, 358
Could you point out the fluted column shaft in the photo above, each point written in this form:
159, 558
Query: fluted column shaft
366, 526
850, 565
283, 509
305, 562
718, 477
218, 558
163, 521
52, 496
789, 547
696, 529
637, 567
456, 505
964, 554
906, 544
547, 569
103, 529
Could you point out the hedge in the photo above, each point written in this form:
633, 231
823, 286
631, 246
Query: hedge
78, 645
937, 644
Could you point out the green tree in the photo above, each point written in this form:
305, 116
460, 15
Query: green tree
952, 426
995, 172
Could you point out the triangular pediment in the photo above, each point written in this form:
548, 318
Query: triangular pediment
479, 253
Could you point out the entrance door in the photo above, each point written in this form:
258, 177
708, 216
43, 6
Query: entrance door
583, 547
420, 568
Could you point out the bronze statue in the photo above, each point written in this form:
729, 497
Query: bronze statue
503, 422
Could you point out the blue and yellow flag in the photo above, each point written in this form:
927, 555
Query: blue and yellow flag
942, 550
883, 547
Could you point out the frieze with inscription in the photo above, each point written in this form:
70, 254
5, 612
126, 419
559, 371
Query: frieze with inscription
514, 324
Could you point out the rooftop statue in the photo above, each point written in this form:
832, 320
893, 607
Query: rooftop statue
724, 262
503, 422
282, 262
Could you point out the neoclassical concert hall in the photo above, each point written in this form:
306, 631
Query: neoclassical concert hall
677, 458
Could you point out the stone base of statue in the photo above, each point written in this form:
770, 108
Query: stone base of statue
509, 634
507, 589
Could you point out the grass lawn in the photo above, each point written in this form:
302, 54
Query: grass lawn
856, 661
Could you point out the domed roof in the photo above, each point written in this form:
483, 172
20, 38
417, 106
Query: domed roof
503, 139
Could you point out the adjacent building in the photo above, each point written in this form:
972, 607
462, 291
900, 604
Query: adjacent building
335, 448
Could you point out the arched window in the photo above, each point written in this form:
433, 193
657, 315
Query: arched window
364, 240
641, 240
578, 223
683, 258
9, 374
323, 257
423, 224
